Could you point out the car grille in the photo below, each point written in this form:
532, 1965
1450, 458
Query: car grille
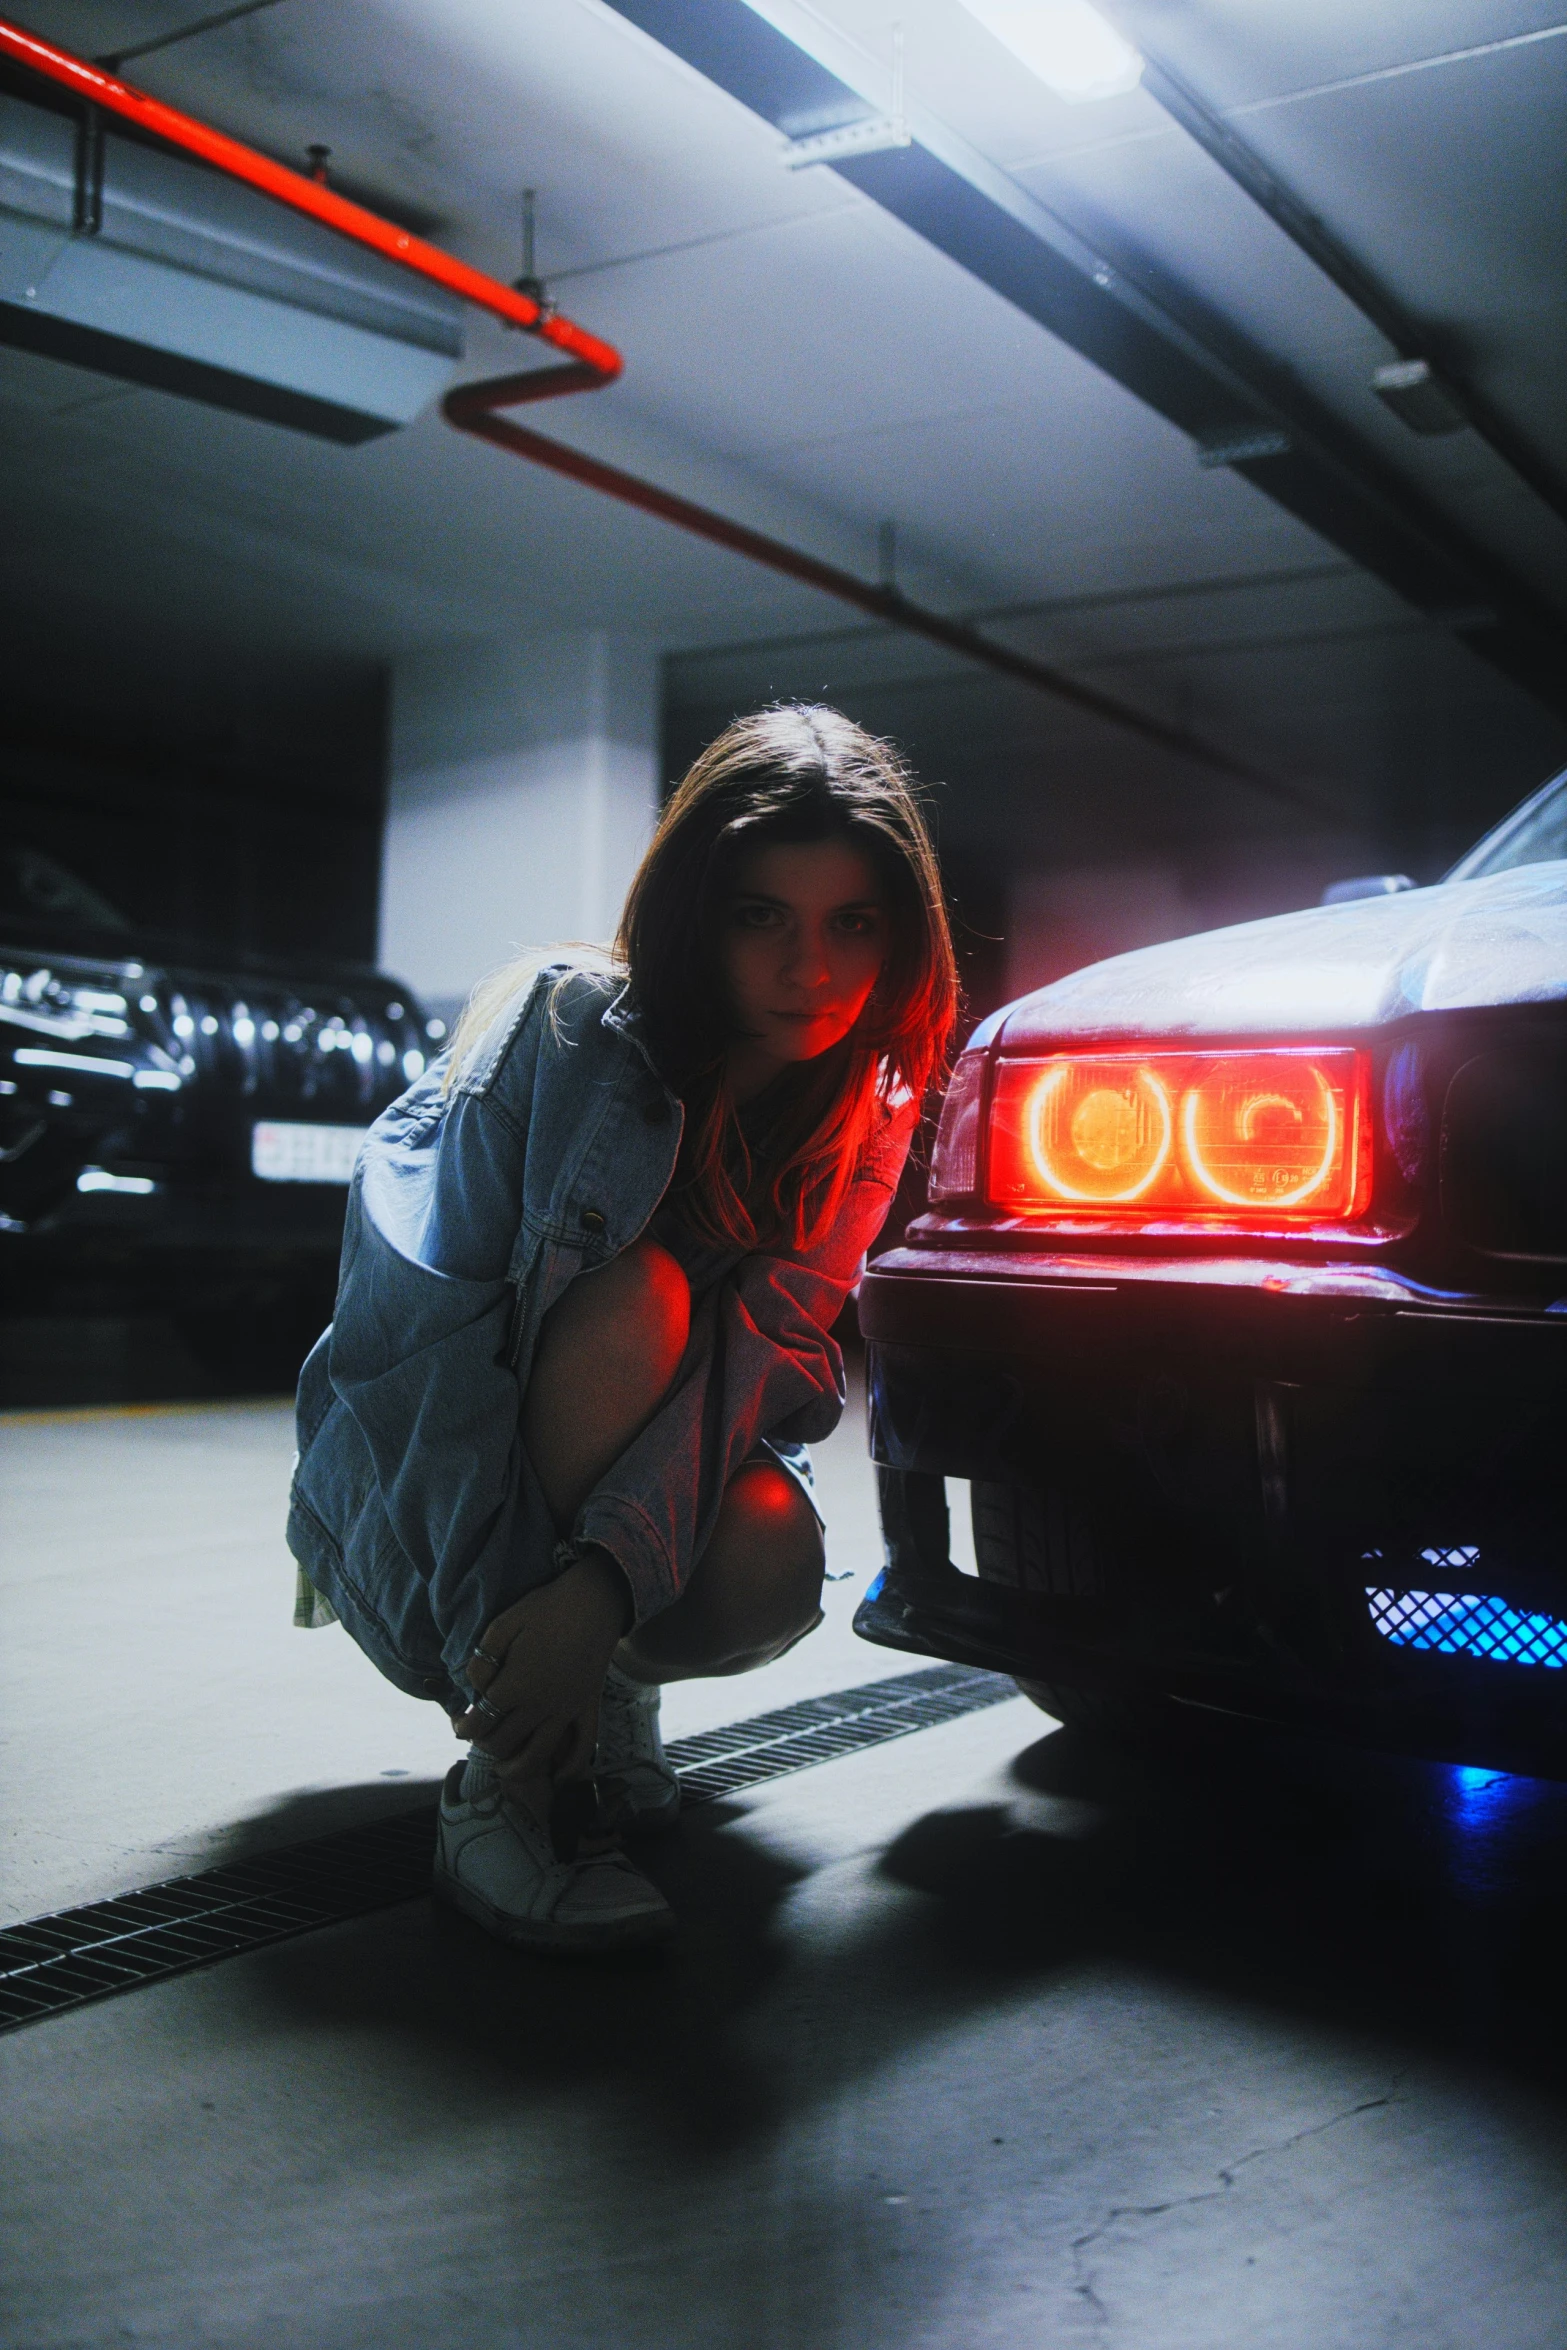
117, 1079
1465, 1623
332, 1053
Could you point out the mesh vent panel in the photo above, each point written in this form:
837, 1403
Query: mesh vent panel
1465, 1623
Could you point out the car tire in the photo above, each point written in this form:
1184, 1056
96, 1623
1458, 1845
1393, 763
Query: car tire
1047, 1538
1106, 1713
1036, 1538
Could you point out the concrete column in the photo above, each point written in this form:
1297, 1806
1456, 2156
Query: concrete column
523, 790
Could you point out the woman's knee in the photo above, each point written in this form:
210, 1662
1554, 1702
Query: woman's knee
755, 1590
767, 1514
634, 1312
648, 1301
761, 1577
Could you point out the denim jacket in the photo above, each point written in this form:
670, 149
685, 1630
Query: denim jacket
415, 1510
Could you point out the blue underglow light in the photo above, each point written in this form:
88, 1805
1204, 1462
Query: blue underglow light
1484, 1806
1468, 1623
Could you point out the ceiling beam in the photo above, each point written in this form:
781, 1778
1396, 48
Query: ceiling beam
1241, 408
1411, 338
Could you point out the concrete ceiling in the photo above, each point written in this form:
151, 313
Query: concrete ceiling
800, 359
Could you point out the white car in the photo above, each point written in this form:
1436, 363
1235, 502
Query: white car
1241, 1304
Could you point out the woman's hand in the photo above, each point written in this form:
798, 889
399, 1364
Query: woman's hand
541, 1666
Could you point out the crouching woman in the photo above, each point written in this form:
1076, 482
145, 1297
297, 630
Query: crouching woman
552, 1449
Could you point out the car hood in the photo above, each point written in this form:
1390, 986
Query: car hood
1500, 940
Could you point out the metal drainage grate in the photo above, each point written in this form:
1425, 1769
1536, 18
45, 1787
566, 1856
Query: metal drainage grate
54, 1963
106, 1946
717, 1762
1464, 1623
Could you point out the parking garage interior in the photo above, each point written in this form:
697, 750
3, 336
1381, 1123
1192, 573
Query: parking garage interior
1147, 417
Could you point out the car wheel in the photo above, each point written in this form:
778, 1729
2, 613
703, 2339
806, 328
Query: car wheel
1047, 1538
1107, 1713
1037, 1538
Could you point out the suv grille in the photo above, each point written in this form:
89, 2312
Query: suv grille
114, 1076
334, 1053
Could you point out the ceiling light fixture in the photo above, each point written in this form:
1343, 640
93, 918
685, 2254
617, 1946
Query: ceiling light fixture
1065, 42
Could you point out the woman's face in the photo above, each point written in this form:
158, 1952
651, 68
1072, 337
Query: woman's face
804, 935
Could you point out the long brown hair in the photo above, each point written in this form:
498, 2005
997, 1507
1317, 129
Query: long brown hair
796, 773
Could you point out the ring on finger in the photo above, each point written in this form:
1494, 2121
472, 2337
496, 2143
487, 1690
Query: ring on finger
486, 1711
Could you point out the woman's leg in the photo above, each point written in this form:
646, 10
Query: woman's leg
606, 1355
605, 1360
753, 1593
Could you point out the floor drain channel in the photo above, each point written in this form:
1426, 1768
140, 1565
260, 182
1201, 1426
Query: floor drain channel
717, 1762
54, 1963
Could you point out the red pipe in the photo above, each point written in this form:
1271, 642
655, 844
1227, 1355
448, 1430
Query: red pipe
590, 364
600, 360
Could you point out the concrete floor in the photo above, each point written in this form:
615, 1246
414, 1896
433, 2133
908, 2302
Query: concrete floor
983, 2038
146, 1602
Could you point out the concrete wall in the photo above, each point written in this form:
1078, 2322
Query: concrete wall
522, 792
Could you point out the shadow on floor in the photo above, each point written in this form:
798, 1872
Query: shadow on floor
317, 1811
1419, 1900
1423, 1904
658, 2025
1068, 2013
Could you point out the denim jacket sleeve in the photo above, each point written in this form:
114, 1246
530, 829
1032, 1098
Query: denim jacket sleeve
416, 1473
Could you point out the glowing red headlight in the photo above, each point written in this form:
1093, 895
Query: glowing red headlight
1227, 1135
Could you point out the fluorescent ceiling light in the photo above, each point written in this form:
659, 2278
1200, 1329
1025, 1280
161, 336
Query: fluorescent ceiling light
1065, 42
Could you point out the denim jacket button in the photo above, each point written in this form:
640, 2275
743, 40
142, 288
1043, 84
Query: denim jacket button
592, 1220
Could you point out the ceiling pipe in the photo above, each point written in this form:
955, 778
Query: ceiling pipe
1159, 340
589, 364
472, 408
98, 89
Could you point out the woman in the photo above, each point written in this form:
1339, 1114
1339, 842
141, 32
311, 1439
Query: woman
552, 1450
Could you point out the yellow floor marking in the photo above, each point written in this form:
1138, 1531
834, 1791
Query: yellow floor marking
51, 1418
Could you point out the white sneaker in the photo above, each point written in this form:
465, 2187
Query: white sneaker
629, 1759
494, 1862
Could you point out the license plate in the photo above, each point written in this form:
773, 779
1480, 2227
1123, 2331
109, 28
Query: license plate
304, 1154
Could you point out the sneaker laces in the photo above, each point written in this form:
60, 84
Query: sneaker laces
628, 1722
586, 1820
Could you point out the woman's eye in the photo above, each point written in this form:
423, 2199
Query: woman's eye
755, 917
860, 923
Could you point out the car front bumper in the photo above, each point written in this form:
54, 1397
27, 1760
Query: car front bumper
1252, 1449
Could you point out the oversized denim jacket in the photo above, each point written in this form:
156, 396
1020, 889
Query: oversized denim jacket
415, 1510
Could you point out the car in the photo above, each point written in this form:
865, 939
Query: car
177, 1129
1240, 1303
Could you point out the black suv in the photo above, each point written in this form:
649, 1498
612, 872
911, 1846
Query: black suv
173, 1133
